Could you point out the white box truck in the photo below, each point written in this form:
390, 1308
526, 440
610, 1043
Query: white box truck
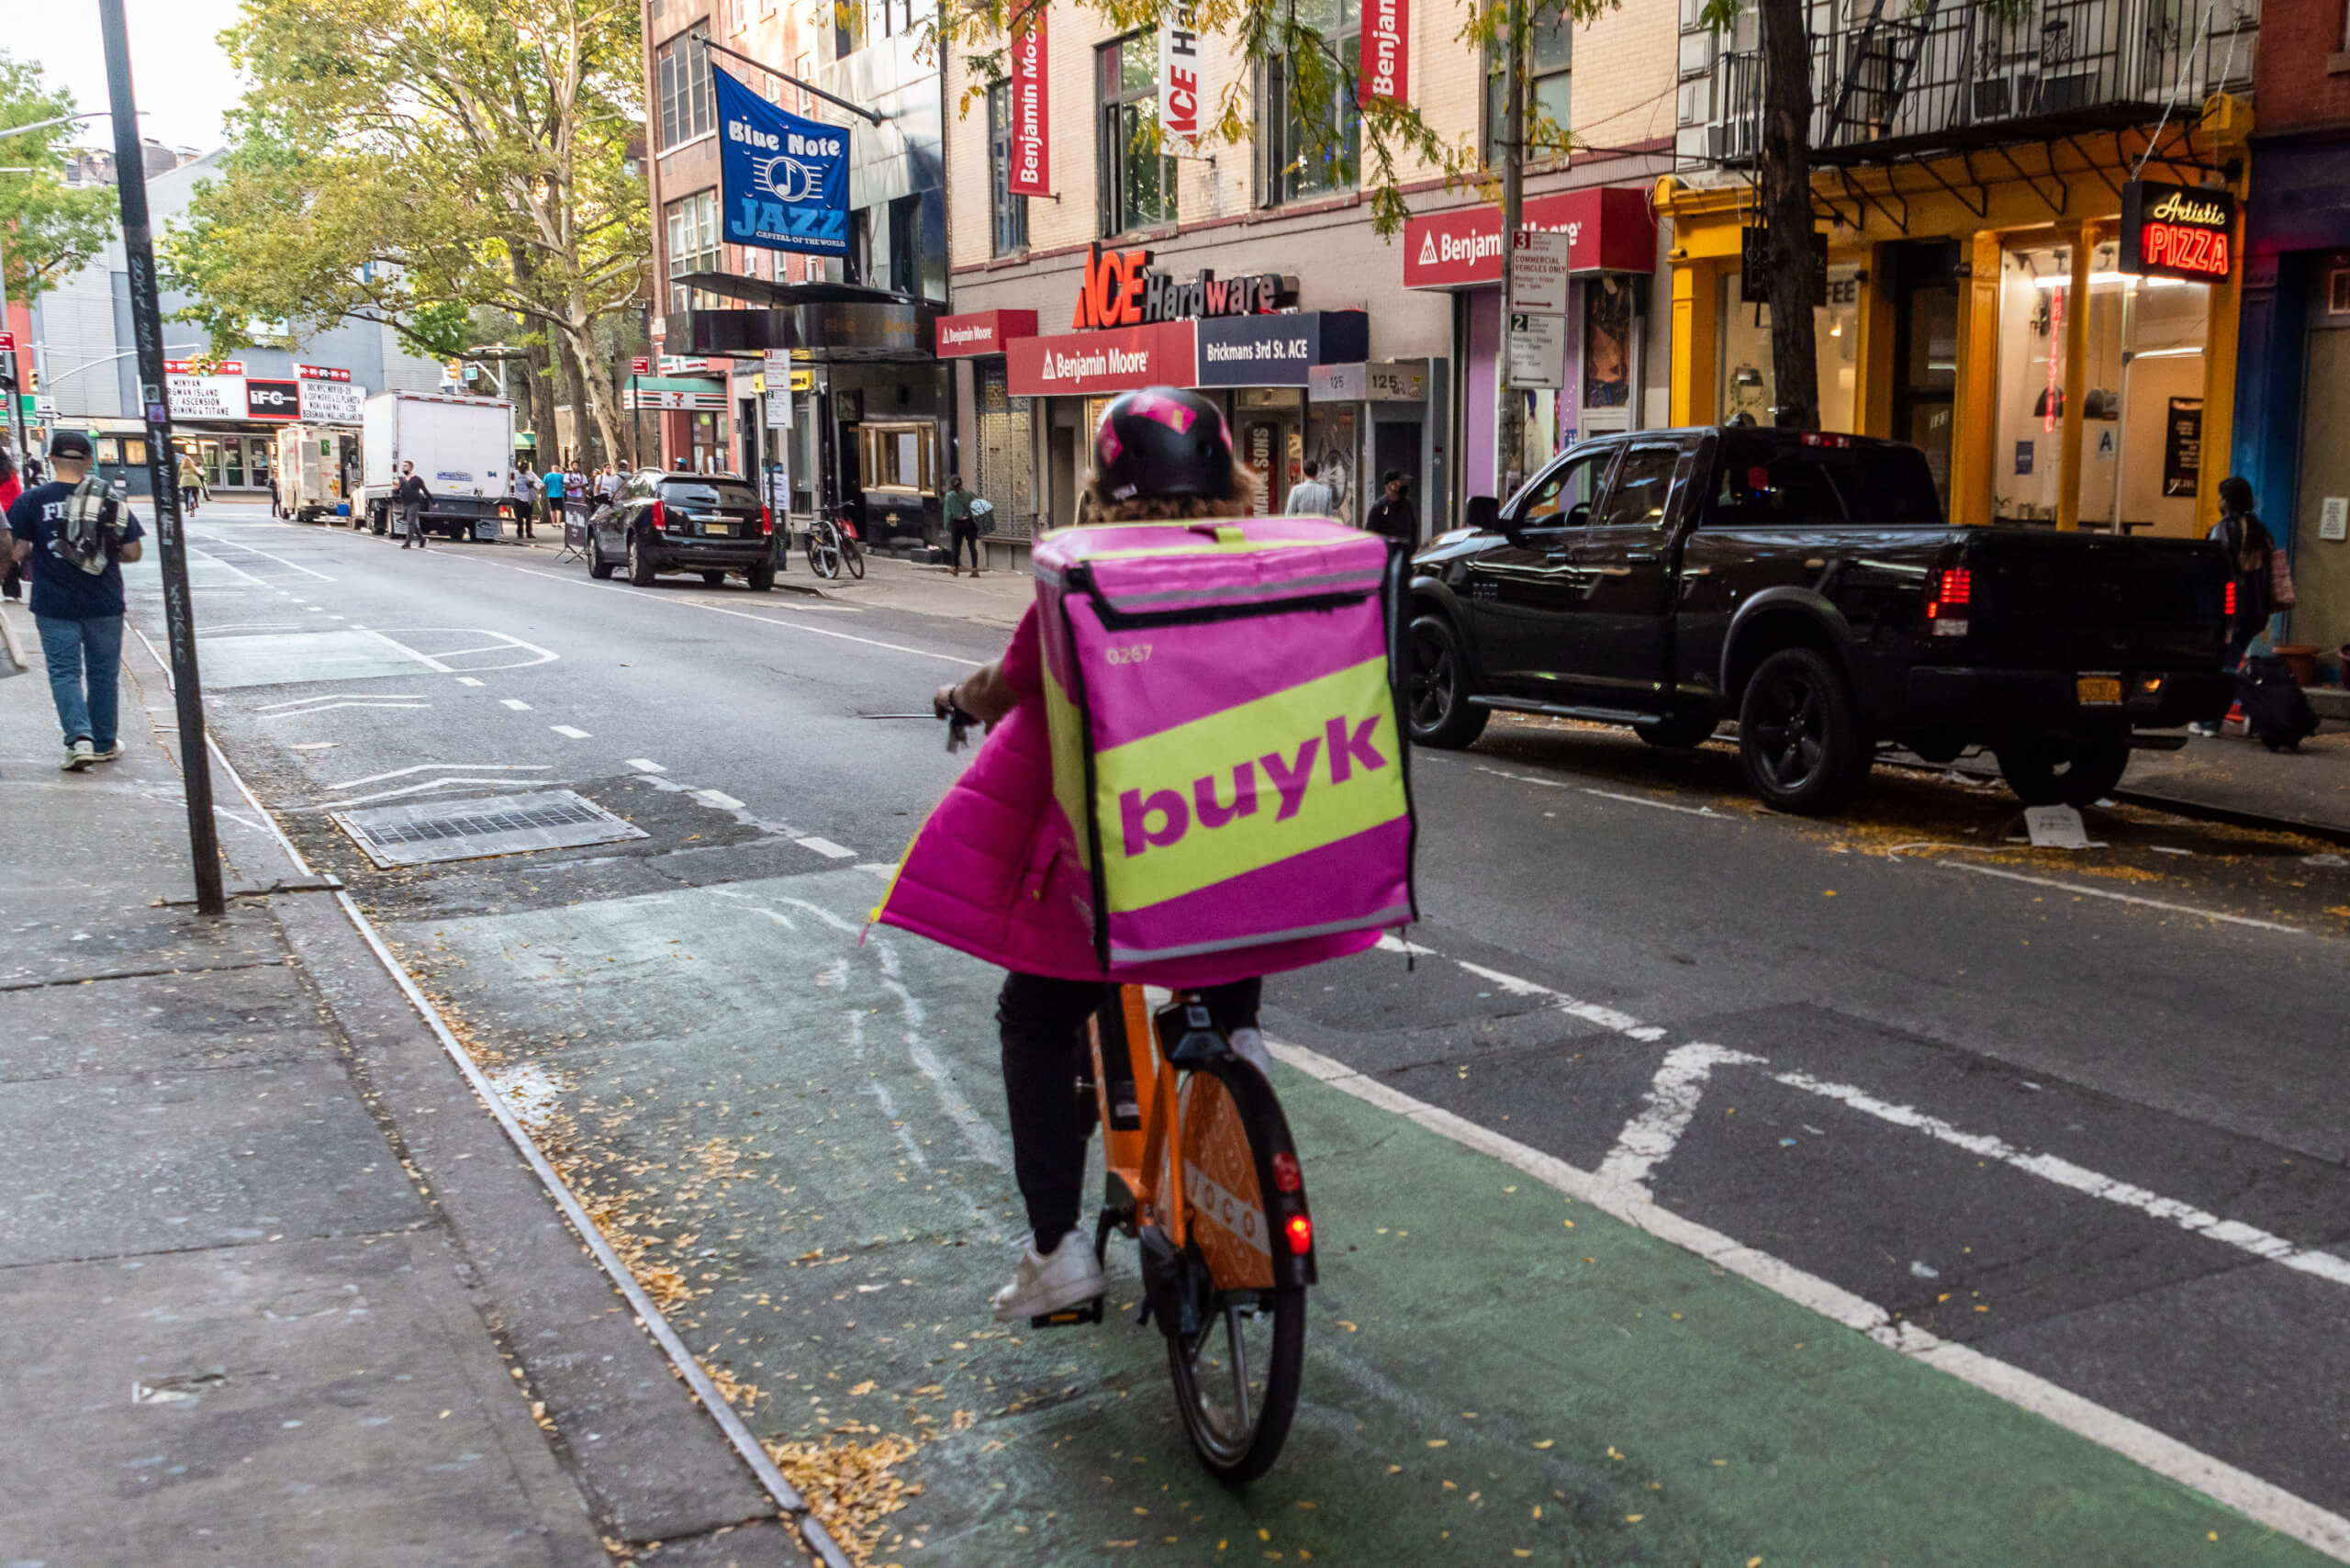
463, 450
310, 470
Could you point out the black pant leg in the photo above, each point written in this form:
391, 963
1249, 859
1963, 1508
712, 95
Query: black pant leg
1042, 1025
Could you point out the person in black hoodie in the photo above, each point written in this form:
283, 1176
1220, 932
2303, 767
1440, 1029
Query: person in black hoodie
410, 497
1393, 515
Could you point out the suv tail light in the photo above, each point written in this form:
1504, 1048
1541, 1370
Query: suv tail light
766, 521
1825, 438
658, 516
1948, 599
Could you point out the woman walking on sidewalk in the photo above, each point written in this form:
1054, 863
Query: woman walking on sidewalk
2248, 545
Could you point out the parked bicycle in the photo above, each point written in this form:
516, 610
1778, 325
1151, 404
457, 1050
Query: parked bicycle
831, 544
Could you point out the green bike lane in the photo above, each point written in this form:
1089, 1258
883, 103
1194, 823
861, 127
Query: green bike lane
796, 1139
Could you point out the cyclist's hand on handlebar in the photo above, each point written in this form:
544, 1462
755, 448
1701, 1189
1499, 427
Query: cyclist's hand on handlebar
942, 702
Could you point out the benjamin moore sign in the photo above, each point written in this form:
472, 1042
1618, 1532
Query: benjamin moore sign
783, 180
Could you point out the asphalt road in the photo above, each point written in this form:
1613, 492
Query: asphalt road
2075, 1124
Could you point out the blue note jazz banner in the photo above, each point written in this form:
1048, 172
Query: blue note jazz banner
783, 180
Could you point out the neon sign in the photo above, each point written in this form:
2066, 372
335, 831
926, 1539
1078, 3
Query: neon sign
2177, 231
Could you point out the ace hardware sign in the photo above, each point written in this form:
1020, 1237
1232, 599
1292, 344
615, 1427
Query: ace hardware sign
2181, 231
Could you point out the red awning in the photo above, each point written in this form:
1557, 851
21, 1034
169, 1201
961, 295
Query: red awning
1118, 359
982, 331
1608, 228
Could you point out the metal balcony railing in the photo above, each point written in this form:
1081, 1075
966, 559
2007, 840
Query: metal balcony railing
1901, 79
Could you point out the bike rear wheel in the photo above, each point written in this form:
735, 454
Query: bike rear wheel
824, 550
853, 554
1237, 1377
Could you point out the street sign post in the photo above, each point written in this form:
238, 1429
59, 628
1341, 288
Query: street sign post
147, 328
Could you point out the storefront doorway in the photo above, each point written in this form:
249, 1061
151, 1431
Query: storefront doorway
1925, 351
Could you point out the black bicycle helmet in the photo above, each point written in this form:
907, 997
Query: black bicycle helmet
1163, 441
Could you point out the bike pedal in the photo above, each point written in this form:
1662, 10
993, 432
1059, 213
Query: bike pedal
1083, 1312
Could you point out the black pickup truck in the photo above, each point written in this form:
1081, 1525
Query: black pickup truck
1806, 586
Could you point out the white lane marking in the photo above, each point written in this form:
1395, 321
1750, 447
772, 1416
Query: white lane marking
2126, 898
516, 703
2263, 1501
645, 765
196, 554
746, 615
1391, 943
315, 746
468, 680
719, 800
1589, 1011
424, 788
826, 848
880, 868
429, 766
574, 731
372, 697
235, 545
1645, 801
1649, 1138
426, 660
330, 707
2065, 1173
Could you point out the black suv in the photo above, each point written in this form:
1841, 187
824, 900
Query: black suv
664, 521
1806, 585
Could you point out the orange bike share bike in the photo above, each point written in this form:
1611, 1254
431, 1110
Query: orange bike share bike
1201, 1172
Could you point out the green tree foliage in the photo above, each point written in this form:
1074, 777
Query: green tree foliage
47, 229
410, 160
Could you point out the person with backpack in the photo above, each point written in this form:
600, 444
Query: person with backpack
2275, 710
77, 532
962, 529
2246, 542
1160, 454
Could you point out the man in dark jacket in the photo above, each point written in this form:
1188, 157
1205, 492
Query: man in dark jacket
410, 497
1392, 515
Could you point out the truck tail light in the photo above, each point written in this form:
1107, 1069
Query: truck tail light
766, 521
1826, 438
2229, 607
1948, 601
658, 516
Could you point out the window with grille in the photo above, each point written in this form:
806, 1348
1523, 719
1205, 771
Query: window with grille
683, 75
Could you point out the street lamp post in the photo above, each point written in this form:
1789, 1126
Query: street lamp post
147, 329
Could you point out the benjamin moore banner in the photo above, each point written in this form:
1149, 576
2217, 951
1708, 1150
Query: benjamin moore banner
783, 180
1032, 160
1386, 52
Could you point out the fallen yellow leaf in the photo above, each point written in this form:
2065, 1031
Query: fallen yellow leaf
1546, 1442
1634, 1518
1438, 1442
1347, 1327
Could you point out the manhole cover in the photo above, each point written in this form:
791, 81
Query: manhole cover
467, 830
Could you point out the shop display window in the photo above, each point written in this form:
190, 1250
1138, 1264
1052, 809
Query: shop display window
1750, 387
2142, 407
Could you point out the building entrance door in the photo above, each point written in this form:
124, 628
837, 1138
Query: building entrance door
1925, 353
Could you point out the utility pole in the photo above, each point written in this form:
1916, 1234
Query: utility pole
147, 330
1509, 417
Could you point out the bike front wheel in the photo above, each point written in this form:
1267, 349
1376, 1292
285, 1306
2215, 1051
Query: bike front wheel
824, 550
853, 554
1237, 1377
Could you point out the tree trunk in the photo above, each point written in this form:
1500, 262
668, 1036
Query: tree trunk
539, 401
575, 394
1786, 208
594, 417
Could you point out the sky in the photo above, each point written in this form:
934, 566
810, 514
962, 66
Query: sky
181, 77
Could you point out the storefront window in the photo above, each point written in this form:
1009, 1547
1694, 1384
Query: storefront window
1333, 441
2140, 411
1006, 467
1750, 388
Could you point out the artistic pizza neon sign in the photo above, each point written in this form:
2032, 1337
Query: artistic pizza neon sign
2177, 231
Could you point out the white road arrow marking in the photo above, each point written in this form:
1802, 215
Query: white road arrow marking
1647, 1139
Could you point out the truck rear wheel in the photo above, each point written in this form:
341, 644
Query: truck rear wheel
1799, 736
2045, 771
1437, 707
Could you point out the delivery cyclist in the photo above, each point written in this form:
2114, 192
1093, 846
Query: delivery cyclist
972, 878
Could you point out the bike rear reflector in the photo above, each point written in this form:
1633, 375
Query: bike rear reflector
1300, 1231
1285, 1176
658, 516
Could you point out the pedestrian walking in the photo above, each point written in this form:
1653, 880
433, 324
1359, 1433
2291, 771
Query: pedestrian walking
410, 497
1391, 514
2250, 553
526, 486
276, 503
960, 528
607, 483
12, 574
78, 536
1310, 497
550, 488
191, 480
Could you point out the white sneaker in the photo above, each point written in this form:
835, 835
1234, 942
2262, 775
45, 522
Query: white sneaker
1249, 1045
1064, 1277
110, 755
78, 755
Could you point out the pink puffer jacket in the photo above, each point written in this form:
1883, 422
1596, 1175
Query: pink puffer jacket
994, 871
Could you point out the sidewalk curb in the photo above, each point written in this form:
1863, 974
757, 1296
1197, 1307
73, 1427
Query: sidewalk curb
2197, 811
682, 1366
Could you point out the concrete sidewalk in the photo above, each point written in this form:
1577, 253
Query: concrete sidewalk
258, 1313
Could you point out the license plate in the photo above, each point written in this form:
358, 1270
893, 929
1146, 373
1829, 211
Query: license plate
726, 531
2104, 690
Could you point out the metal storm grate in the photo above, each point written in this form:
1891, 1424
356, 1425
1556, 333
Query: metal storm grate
466, 830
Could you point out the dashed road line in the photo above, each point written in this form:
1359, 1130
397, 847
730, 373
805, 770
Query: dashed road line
572, 730
826, 848
516, 703
467, 680
718, 799
645, 765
